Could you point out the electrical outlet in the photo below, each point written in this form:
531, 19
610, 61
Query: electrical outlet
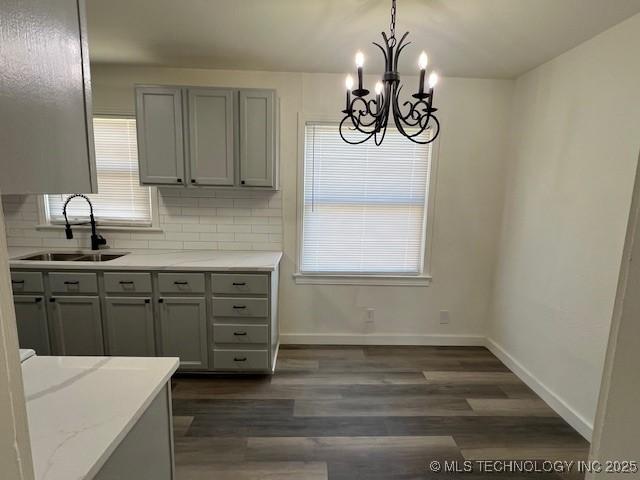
444, 317
370, 321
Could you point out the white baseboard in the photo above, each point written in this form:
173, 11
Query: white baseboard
577, 421
380, 339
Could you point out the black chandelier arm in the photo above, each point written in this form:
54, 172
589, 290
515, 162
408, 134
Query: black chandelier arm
400, 47
364, 139
400, 123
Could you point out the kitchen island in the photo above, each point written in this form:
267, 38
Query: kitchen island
100, 417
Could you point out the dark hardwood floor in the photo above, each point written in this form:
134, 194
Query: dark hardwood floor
370, 413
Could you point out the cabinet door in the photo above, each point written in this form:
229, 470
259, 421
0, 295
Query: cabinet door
211, 127
183, 331
76, 326
129, 327
31, 319
257, 138
160, 135
46, 130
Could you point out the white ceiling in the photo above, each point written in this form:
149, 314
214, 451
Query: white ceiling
466, 38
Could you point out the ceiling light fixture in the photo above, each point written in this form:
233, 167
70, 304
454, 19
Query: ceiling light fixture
371, 116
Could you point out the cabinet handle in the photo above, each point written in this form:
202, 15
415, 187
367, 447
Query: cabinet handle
52, 300
242, 182
147, 300
160, 300
181, 283
127, 282
18, 282
37, 299
75, 282
179, 180
239, 359
239, 307
193, 180
239, 284
240, 334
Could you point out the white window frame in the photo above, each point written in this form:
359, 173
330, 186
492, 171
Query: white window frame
422, 279
45, 222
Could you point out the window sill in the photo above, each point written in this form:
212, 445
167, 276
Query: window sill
373, 280
101, 228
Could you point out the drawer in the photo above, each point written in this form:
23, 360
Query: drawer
240, 284
240, 360
239, 333
127, 282
240, 307
27, 282
181, 282
73, 282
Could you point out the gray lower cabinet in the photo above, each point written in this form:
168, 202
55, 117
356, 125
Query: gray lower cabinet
183, 331
76, 325
212, 321
31, 319
129, 326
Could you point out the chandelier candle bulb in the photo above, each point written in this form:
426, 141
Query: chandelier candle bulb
423, 61
359, 65
349, 84
378, 90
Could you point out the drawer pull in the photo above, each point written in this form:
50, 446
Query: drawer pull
21, 282
75, 282
240, 334
37, 299
239, 359
239, 284
126, 282
239, 307
147, 300
52, 300
181, 283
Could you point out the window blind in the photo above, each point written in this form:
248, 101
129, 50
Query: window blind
121, 200
364, 205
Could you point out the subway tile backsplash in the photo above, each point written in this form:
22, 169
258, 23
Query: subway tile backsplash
199, 219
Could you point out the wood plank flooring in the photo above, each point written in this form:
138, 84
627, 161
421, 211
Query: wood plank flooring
370, 413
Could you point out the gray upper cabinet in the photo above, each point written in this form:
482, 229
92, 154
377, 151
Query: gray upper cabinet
129, 326
46, 126
160, 135
183, 331
31, 319
211, 136
76, 326
207, 137
257, 138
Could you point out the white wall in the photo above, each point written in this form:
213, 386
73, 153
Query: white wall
574, 150
617, 420
475, 117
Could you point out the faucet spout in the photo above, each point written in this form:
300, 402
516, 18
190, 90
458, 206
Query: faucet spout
96, 240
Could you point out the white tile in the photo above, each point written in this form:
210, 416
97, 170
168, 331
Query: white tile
215, 202
165, 244
266, 228
252, 237
266, 212
216, 237
199, 227
200, 245
234, 212
251, 220
181, 236
234, 228
131, 244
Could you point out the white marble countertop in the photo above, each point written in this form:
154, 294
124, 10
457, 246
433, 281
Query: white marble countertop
183, 260
80, 408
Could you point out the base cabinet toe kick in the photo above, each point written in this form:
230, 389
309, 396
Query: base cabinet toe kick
213, 321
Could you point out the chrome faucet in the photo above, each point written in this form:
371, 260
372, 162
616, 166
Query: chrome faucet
96, 240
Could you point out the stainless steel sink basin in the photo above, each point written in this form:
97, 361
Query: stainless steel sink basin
74, 256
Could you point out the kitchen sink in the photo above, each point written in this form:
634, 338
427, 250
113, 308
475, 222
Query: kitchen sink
73, 257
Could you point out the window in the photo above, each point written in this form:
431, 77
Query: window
121, 200
365, 206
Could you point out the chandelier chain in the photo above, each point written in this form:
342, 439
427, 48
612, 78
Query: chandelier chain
392, 26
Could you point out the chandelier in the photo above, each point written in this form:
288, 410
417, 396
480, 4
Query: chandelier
370, 117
